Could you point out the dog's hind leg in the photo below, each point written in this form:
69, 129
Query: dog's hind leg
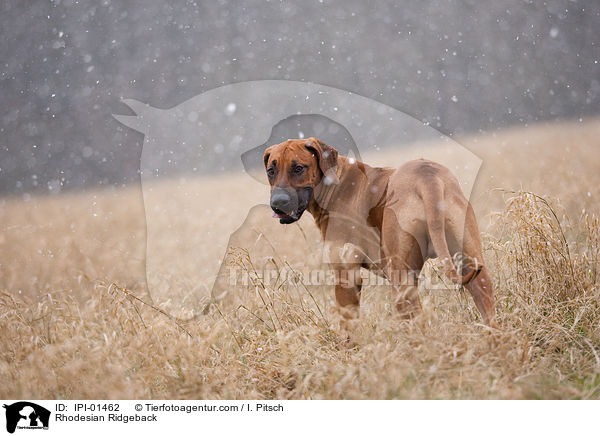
465, 239
403, 263
481, 290
403, 272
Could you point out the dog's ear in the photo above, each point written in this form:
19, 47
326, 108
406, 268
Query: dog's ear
266, 155
327, 157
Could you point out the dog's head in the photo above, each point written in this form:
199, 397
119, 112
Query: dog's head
295, 168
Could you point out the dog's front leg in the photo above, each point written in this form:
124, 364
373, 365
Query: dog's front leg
345, 260
348, 284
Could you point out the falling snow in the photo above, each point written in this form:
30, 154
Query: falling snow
456, 67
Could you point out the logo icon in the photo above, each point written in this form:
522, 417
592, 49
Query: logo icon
26, 415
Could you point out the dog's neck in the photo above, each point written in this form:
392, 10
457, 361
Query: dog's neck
322, 196
353, 177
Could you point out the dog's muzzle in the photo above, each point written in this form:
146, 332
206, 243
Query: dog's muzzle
288, 205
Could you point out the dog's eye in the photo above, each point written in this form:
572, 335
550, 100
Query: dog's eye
299, 169
270, 172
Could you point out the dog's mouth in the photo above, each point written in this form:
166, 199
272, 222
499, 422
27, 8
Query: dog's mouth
287, 218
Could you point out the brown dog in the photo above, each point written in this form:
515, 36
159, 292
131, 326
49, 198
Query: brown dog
387, 220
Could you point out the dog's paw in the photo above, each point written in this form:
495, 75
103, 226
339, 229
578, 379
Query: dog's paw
349, 324
346, 322
345, 313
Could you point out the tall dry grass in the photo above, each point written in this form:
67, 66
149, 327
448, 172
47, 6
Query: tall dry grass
84, 327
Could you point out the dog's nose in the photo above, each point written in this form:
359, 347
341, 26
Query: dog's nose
281, 201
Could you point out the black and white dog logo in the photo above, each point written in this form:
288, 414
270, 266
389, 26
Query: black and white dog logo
26, 415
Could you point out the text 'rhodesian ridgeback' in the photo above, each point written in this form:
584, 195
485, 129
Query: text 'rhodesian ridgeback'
387, 220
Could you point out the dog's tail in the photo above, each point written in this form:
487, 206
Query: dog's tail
432, 193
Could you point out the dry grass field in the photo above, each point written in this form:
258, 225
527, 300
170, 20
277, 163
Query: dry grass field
76, 320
